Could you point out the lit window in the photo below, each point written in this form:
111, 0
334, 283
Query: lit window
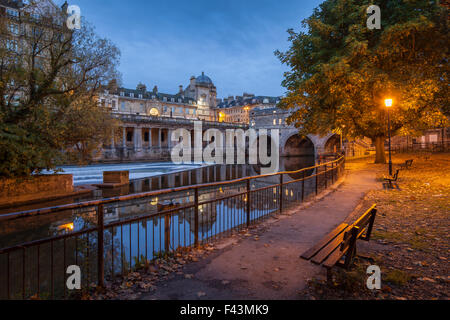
274, 122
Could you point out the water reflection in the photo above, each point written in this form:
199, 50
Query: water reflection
212, 216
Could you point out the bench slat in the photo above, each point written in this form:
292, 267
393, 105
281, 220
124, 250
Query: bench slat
334, 258
329, 249
324, 242
364, 221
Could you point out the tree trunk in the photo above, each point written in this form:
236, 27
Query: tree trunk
381, 152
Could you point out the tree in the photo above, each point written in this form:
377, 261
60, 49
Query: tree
341, 72
49, 74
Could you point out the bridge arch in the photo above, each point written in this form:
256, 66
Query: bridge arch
295, 145
332, 144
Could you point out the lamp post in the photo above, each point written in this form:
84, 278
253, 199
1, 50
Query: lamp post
388, 103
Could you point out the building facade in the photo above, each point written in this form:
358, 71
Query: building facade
196, 102
238, 109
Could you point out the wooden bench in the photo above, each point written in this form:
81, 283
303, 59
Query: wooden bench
390, 180
407, 164
341, 242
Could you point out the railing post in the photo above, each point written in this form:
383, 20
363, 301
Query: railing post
317, 180
332, 173
326, 176
281, 193
196, 229
303, 187
100, 245
248, 202
167, 233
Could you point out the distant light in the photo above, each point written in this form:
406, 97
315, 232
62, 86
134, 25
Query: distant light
388, 103
67, 227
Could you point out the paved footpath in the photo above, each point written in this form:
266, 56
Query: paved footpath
270, 268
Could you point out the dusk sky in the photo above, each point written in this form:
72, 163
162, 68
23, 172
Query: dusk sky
164, 43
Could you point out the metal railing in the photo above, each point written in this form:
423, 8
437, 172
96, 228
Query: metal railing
434, 147
37, 269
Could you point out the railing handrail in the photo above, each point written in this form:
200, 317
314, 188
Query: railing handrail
87, 204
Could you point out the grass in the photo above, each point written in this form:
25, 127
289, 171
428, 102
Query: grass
398, 277
410, 236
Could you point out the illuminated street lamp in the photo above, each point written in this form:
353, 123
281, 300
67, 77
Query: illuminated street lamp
389, 103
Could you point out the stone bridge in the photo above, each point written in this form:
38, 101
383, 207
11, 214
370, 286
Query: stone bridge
146, 138
292, 144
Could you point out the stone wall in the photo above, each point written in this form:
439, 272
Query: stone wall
29, 189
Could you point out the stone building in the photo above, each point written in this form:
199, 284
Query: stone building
27, 29
238, 109
197, 102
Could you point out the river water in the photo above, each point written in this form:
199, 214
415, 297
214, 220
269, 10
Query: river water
144, 177
93, 174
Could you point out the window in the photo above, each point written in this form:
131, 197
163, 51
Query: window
11, 45
132, 95
172, 99
274, 122
130, 136
13, 28
179, 100
281, 122
165, 99
12, 13
122, 94
114, 104
122, 106
140, 96
37, 32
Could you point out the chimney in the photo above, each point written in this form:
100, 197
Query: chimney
63, 7
155, 89
181, 89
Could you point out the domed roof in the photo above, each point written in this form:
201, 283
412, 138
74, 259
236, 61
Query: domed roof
204, 79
